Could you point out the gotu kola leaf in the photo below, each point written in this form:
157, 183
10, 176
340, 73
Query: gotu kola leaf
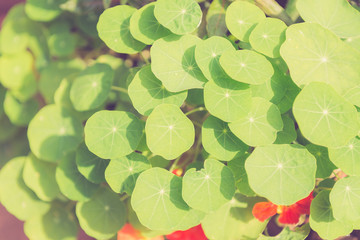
210, 188
169, 133
282, 173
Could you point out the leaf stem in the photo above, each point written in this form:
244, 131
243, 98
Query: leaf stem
119, 89
195, 110
144, 58
174, 165
273, 9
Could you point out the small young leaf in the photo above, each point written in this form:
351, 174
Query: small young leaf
210, 188
121, 173
146, 92
43, 10
169, 133
114, 29
260, 125
219, 141
103, 215
175, 66
179, 16
113, 134
241, 18
274, 171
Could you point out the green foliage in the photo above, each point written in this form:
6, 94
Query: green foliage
168, 114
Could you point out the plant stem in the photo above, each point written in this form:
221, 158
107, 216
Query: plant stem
145, 59
195, 110
119, 89
174, 165
273, 9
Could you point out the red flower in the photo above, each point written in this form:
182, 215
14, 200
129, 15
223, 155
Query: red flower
288, 214
178, 172
128, 232
195, 233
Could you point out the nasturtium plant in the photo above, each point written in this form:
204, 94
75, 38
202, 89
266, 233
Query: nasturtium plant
172, 119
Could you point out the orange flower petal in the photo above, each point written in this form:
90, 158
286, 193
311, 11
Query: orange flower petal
303, 206
264, 210
195, 233
289, 215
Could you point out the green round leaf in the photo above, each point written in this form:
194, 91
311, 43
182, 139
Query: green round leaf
283, 173
298, 233
179, 16
158, 203
313, 53
324, 117
113, 134
207, 55
338, 16
234, 220
62, 44
322, 219
114, 29
210, 188
288, 134
243, 66
144, 27
56, 224
227, 99
53, 133
39, 176
43, 10
15, 69
260, 125
90, 166
173, 62
215, 18
241, 18
219, 142
121, 174
345, 200
91, 87
52, 75
146, 92
324, 166
169, 133
267, 37
347, 157
71, 183
14, 37
16, 197
103, 215
19, 113
237, 166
